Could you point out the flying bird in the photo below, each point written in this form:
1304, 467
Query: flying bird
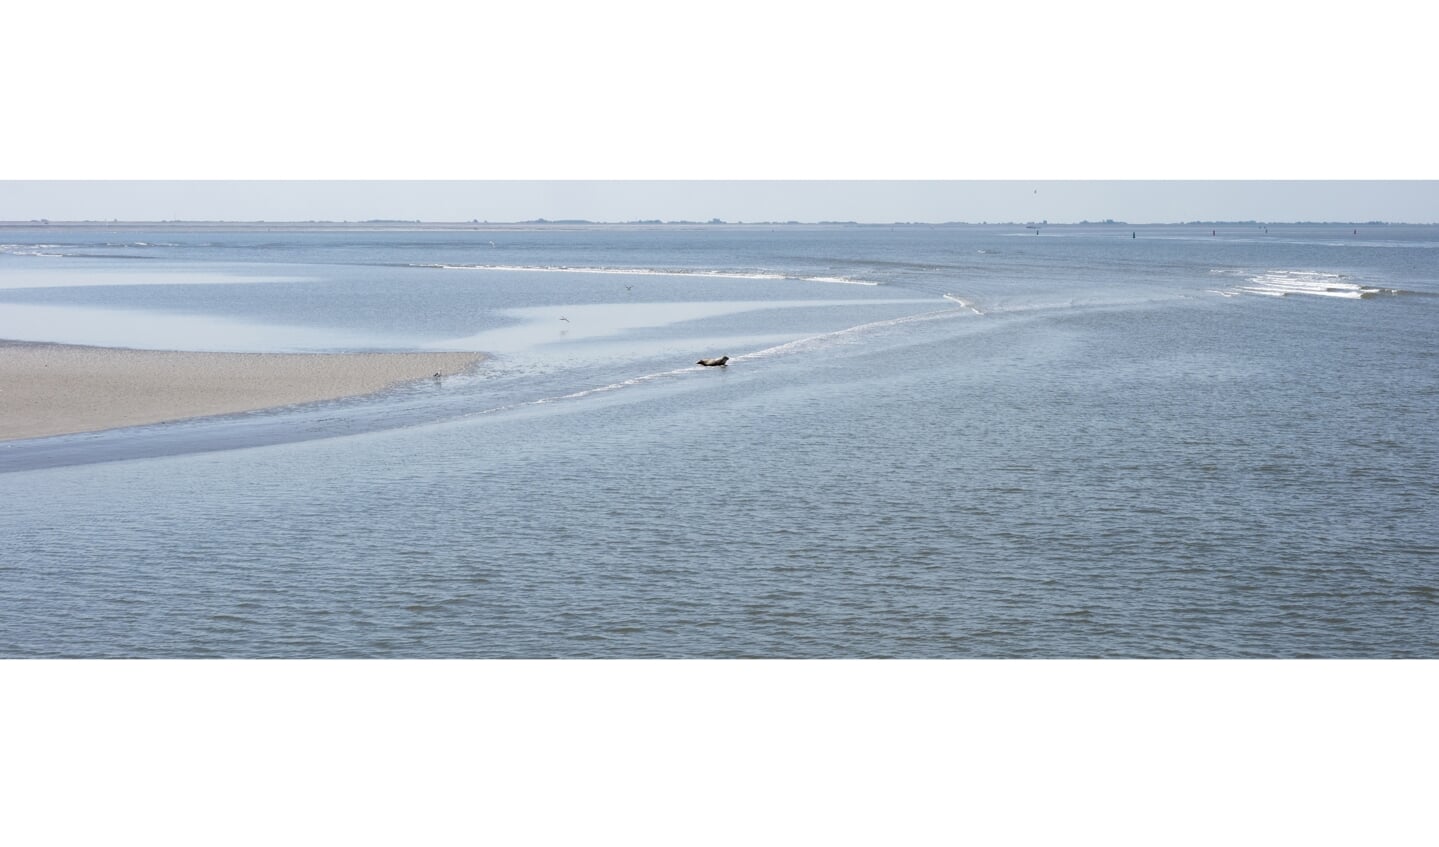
565, 319
714, 363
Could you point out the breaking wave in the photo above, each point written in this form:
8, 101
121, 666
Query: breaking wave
1283, 283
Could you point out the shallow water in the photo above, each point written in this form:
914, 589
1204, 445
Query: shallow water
930, 442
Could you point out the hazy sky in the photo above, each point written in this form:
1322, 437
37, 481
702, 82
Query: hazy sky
868, 201
1045, 110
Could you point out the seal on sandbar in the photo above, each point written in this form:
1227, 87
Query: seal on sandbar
714, 363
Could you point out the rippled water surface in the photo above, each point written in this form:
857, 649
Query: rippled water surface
930, 442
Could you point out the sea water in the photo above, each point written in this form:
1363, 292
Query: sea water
930, 442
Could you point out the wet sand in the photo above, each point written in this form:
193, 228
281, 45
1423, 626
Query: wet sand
54, 389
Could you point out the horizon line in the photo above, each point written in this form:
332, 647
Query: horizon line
396, 222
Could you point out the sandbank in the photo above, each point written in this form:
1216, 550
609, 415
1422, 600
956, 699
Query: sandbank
56, 389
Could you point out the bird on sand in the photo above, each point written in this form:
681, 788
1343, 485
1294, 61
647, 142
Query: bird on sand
714, 363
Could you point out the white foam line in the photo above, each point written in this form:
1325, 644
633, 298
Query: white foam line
614, 386
651, 272
31, 250
801, 343
834, 279
766, 353
589, 270
1284, 291
575, 395
963, 302
769, 352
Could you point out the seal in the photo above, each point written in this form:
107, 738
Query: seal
714, 363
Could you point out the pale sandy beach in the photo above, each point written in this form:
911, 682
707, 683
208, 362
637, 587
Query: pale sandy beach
54, 389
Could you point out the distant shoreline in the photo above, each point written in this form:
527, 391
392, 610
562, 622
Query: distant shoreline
60, 389
541, 223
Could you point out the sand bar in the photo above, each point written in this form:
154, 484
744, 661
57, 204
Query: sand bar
55, 389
